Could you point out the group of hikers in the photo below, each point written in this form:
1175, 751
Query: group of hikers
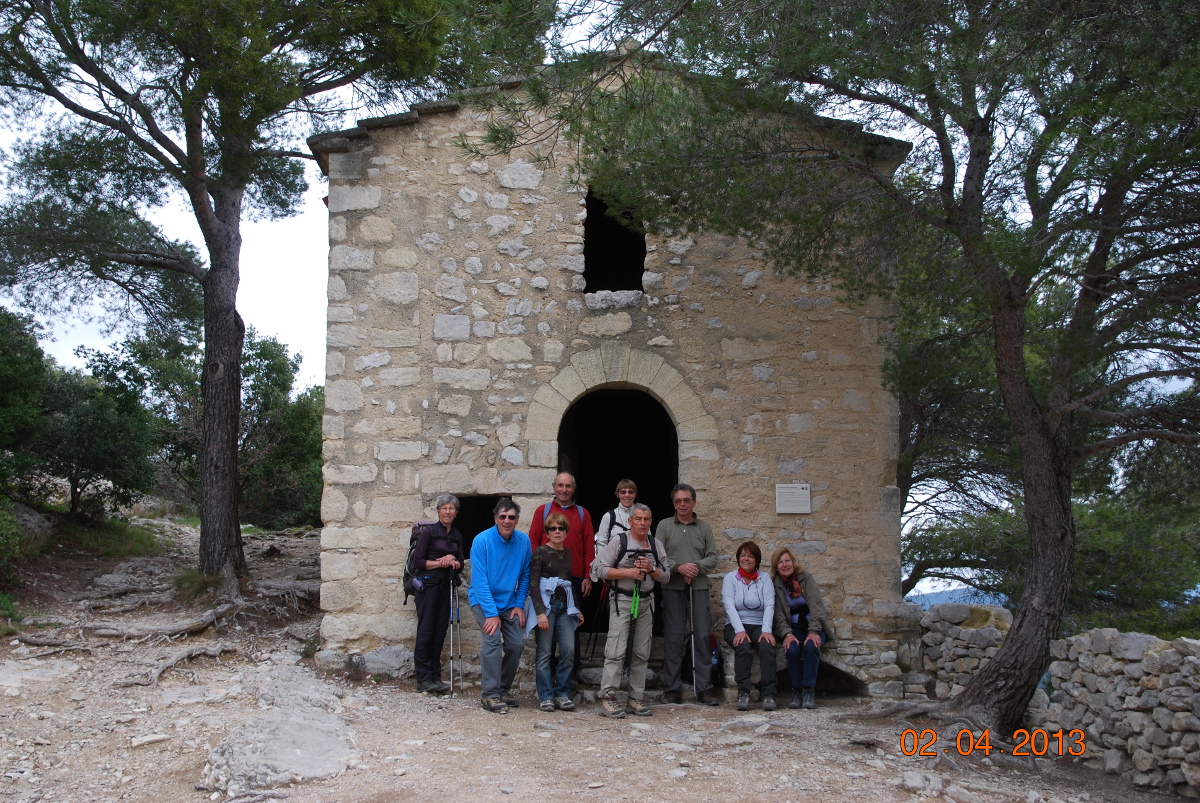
535, 582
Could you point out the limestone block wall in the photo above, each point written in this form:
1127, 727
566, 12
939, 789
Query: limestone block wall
1137, 698
459, 333
958, 640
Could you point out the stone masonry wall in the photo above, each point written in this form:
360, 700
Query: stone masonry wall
1135, 696
957, 641
459, 334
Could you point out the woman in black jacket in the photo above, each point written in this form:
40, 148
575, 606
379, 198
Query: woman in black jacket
437, 559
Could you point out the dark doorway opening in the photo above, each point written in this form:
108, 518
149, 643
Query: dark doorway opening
614, 433
606, 436
614, 251
474, 516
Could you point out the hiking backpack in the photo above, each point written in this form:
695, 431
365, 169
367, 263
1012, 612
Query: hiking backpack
410, 571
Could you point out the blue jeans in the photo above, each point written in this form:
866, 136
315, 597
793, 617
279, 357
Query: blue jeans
562, 632
803, 659
499, 653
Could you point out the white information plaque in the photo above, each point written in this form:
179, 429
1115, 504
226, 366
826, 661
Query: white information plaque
793, 498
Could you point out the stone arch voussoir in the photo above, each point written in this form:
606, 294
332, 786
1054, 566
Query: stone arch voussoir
616, 365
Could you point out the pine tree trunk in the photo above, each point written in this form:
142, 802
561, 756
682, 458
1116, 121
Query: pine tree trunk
1000, 692
221, 550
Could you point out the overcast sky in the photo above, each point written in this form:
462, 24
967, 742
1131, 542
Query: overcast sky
282, 293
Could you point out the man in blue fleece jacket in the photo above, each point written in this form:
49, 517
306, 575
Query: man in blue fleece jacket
499, 585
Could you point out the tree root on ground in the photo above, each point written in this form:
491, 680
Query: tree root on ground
291, 590
150, 678
61, 650
122, 590
42, 641
186, 626
127, 604
950, 722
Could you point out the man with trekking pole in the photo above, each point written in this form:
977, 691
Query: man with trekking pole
693, 554
631, 564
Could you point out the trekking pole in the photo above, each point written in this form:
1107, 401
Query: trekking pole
453, 604
456, 618
600, 600
634, 606
691, 617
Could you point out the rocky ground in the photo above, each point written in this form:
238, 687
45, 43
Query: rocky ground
250, 718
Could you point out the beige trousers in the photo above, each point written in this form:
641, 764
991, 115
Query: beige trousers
618, 642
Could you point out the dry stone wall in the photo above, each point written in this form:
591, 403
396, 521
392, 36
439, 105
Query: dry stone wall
459, 333
958, 640
1136, 697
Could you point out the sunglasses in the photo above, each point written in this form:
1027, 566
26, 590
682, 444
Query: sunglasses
556, 529
509, 517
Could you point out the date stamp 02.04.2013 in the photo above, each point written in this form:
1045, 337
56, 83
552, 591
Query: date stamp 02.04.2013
1037, 742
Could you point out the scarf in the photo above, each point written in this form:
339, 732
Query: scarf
749, 578
791, 584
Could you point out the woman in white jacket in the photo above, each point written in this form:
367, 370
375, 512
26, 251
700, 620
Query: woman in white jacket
749, 597
615, 521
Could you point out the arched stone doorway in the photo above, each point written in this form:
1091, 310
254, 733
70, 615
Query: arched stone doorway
613, 433
617, 366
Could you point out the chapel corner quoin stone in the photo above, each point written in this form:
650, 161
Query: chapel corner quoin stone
461, 331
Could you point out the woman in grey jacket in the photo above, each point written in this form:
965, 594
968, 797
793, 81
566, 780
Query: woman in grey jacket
750, 609
800, 622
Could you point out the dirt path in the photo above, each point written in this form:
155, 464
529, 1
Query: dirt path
68, 732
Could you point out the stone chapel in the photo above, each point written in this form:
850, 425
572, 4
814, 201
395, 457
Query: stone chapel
489, 324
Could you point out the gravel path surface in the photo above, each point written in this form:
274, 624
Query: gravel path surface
70, 731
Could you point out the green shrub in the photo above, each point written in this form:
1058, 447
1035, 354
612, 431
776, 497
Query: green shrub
110, 538
190, 584
10, 545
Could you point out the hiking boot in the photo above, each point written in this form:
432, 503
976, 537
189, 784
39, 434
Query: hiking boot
743, 703
612, 709
810, 698
639, 708
494, 705
564, 703
547, 706
441, 687
672, 697
708, 697
511, 700
426, 686
795, 701
769, 704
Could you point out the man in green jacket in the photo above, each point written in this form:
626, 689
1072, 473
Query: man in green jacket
692, 553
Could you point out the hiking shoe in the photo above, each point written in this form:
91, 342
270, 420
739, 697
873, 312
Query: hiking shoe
547, 706
769, 704
494, 704
639, 708
441, 687
672, 697
564, 703
795, 701
810, 697
426, 686
612, 709
708, 697
743, 701
511, 700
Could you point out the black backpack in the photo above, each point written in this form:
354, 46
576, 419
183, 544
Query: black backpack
411, 571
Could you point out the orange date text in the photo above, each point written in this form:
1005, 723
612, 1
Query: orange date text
1037, 742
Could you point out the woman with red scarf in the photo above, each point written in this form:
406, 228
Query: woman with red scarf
749, 597
800, 622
